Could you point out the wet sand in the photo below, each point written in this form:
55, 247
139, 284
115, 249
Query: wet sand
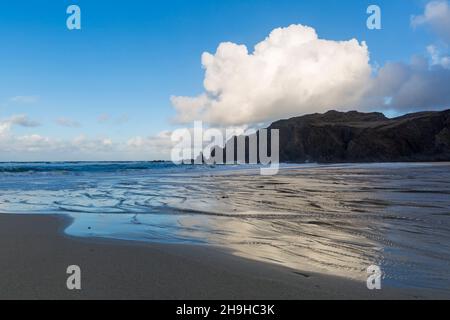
329, 219
35, 252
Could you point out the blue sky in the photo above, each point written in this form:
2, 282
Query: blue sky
113, 79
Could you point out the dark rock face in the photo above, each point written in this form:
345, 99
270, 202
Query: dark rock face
360, 137
365, 137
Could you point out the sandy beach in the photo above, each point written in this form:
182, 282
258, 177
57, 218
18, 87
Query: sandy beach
35, 252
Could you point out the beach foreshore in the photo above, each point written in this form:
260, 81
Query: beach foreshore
35, 253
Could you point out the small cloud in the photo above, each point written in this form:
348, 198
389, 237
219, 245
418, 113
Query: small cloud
107, 142
4, 128
437, 58
103, 118
106, 118
437, 17
66, 122
24, 99
19, 120
122, 119
23, 121
160, 143
85, 144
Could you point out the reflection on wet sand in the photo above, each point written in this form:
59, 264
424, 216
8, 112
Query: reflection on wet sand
336, 219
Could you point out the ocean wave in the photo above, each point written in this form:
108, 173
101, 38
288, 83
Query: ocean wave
77, 167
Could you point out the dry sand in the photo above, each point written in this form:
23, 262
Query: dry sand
35, 252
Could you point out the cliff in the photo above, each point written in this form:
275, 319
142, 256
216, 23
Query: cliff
364, 137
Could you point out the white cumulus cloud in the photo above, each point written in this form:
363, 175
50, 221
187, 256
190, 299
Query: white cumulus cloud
294, 72
289, 73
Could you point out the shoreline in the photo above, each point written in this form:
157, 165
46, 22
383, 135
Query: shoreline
35, 253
